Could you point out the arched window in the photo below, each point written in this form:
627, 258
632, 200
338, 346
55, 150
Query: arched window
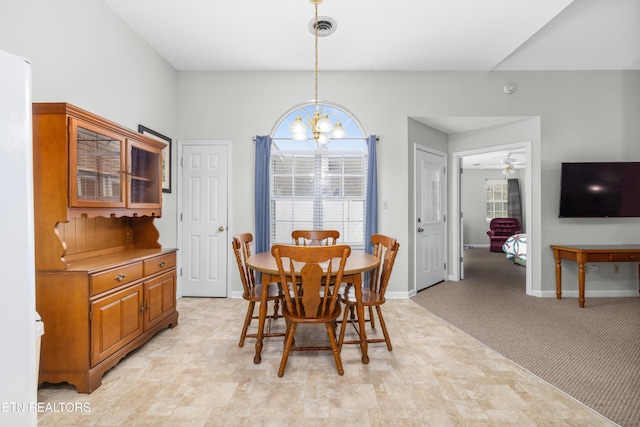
319, 186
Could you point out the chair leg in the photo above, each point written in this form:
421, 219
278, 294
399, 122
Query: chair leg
343, 327
247, 322
373, 323
291, 329
384, 328
334, 348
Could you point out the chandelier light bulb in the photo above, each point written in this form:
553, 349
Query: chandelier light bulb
298, 126
299, 136
323, 138
324, 124
339, 131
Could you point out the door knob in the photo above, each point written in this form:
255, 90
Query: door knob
420, 229
221, 228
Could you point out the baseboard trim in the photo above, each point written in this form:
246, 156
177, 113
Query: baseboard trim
592, 294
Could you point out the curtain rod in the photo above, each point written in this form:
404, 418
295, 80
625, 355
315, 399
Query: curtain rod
332, 139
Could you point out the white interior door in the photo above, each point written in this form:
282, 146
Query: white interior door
430, 219
204, 220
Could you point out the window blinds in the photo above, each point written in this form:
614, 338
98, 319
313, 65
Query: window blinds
319, 190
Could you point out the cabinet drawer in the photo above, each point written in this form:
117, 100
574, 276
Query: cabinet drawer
622, 256
159, 263
110, 279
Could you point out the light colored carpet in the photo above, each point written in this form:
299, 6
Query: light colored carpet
592, 354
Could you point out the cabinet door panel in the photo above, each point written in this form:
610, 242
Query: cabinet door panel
96, 166
115, 321
145, 177
160, 298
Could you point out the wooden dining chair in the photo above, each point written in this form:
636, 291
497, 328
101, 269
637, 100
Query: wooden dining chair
386, 249
315, 237
252, 293
313, 302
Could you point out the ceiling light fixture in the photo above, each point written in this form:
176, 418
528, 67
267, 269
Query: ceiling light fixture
320, 124
508, 165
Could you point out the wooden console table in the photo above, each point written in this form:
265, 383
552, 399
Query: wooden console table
583, 254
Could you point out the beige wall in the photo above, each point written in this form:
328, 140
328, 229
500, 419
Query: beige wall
582, 116
84, 54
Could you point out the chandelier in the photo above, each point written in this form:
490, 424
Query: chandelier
508, 166
321, 126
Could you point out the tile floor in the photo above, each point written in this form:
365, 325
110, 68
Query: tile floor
196, 375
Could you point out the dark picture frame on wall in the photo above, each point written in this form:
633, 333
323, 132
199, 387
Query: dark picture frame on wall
166, 156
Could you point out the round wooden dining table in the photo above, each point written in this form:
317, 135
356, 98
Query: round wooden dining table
357, 263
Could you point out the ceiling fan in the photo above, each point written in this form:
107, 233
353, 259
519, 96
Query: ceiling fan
508, 165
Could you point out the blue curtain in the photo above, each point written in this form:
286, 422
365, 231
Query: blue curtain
371, 226
262, 236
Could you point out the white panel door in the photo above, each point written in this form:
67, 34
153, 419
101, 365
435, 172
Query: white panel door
429, 219
204, 220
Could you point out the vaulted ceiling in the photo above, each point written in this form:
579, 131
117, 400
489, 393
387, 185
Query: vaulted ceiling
467, 35
401, 35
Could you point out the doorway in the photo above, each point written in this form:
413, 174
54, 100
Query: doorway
203, 181
457, 270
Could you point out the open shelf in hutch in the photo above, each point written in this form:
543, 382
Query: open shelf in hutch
104, 285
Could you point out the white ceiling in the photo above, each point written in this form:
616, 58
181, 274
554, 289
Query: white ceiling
465, 35
401, 35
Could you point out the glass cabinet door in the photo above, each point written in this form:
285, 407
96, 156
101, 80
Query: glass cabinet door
145, 179
96, 169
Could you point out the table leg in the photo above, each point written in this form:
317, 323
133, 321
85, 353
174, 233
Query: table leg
357, 285
558, 277
266, 280
581, 276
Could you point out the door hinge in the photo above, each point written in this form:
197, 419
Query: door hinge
180, 217
445, 266
181, 163
180, 271
90, 315
461, 259
444, 218
461, 215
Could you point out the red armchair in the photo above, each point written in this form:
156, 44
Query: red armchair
500, 229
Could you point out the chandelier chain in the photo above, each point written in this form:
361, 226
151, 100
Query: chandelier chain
321, 125
316, 37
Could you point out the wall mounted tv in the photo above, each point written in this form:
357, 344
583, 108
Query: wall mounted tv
600, 190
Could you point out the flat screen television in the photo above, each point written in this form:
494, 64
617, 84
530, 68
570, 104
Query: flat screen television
600, 190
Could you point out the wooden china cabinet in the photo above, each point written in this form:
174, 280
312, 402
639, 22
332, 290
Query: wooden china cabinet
104, 285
